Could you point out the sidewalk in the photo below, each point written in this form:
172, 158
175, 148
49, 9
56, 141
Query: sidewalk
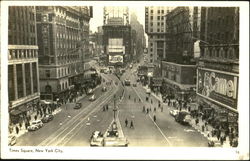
207, 130
23, 130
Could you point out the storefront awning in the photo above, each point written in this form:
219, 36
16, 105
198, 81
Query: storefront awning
181, 86
24, 108
15, 112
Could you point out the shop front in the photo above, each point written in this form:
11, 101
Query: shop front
20, 113
217, 93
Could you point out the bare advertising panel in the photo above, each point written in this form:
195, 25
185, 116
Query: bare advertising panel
220, 87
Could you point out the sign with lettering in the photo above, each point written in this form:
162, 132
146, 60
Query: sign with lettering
221, 87
116, 59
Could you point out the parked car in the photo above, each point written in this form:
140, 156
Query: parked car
127, 82
12, 140
35, 125
96, 139
134, 85
47, 118
115, 142
90, 91
183, 117
78, 105
173, 112
104, 89
92, 98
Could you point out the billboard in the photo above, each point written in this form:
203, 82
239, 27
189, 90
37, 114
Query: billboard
116, 59
116, 45
220, 87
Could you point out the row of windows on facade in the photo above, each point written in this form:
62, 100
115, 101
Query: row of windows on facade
21, 40
214, 24
158, 17
222, 37
24, 88
158, 30
221, 52
61, 72
158, 11
22, 54
21, 13
21, 27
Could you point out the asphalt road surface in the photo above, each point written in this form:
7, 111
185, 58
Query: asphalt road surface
72, 127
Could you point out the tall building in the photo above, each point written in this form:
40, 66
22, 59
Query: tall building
23, 75
63, 48
117, 36
115, 15
155, 28
218, 67
179, 66
140, 42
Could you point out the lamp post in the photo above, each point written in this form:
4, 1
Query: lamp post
115, 108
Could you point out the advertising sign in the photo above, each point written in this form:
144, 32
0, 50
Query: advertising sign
220, 87
116, 59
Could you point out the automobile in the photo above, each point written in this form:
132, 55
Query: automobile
90, 91
134, 85
173, 112
104, 89
127, 82
12, 140
47, 118
92, 98
183, 117
96, 139
78, 105
35, 125
148, 91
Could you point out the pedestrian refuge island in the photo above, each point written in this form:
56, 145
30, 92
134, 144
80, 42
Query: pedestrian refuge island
113, 137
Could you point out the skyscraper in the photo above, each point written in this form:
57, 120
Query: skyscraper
23, 75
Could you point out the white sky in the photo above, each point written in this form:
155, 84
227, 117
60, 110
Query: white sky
97, 19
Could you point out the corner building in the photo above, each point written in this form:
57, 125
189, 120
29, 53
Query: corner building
63, 44
218, 67
23, 75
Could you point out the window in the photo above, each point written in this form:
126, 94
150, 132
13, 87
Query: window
19, 71
11, 88
152, 11
162, 11
47, 73
151, 17
158, 23
151, 23
151, 60
151, 49
158, 17
158, 11
151, 44
162, 17
158, 30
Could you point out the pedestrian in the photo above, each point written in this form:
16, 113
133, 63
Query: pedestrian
128, 96
151, 101
126, 122
139, 100
143, 109
35, 117
196, 121
131, 124
107, 107
17, 130
147, 110
161, 109
154, 118
26, 125
221, 140
103, 108
155, 109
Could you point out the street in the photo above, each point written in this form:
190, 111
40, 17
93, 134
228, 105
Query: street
73, 127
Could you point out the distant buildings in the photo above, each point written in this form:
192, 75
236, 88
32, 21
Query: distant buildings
23, 75
63, 48
140, 41
117, 36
